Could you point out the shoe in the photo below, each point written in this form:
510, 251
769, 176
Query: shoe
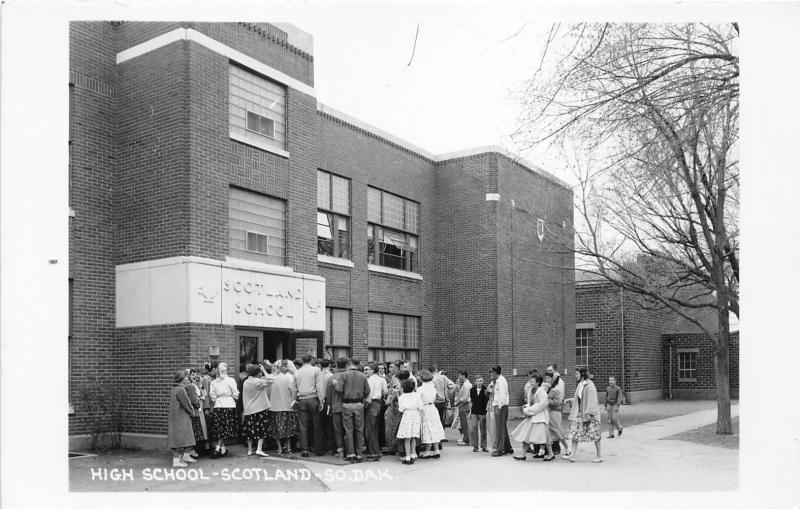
569, 458
549, 458
214, 454
474, 449
620, 433
610, 436
597, 460
445, 440
519, 458
407, 462
188, 459
262, 454
249, 453
339, 454
351, 459
305, 454
373, 458
194, 455
461, 442
436, 456
359, 459
497, 453
177, 463
223, 452
484, 449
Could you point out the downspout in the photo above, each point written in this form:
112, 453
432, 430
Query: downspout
622, 341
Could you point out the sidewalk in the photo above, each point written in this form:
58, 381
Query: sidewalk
639, 460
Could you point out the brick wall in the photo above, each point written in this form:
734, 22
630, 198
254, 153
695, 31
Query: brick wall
368, 160
93, 152
705, 386
601, 303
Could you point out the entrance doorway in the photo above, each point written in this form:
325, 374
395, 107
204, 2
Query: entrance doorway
257, 345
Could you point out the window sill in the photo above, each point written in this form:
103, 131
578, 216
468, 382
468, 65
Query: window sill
332, 260
257, 144
394, 272
693, 380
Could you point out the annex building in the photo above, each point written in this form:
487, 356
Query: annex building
219, 211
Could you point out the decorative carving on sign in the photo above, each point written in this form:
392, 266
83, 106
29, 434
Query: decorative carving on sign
204, 295
540, 228
314, 308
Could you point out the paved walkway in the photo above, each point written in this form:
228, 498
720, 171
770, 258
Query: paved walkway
639, 460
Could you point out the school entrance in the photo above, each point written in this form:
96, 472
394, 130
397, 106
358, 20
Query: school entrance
255, 345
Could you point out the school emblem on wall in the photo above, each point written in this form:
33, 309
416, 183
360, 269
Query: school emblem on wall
540, 228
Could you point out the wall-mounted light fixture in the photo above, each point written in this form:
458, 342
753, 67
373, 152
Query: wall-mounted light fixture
213, 351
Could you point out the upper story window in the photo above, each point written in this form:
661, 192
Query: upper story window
333, 211
257, 227
337, 332
393, 337
393, 231
257, 113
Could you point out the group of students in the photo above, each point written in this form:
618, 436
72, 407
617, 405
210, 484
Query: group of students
341, 408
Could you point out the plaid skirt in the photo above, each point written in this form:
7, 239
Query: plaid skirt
584, 431
226, 423
255, 425
283, 424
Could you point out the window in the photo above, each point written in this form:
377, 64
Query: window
687, 365
583, 348
337, 333
392, 232
257, 110
393, 337
257, 227
333, 221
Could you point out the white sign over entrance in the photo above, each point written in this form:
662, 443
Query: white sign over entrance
199, 290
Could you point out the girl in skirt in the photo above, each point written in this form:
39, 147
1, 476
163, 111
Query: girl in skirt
255, 404
431, 432
224, 394
534, 429
283, 424
198, 419
409, 403
584, 416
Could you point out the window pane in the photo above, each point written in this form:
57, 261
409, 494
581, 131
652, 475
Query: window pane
412, 332
375, 338
341, 327
262, 216
324, 234
257, 108
393, 330
412, 217
343, 233
341, 195
370, 244
393, 215
373, 205
323, 190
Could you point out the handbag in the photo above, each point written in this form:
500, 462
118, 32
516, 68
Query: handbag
449, 415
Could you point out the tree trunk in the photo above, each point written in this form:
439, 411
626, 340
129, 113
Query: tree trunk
722, 375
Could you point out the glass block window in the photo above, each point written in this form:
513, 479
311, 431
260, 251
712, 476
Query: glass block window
392, 337
687, 365
333, 221
337, 332
257, 226
257, 109
392, 233
583, 348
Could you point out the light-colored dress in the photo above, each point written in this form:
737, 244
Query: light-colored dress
431, 431
409, 403
534, 428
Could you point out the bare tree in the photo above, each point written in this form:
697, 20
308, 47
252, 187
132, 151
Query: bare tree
656, 108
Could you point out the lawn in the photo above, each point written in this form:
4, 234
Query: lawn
707, 435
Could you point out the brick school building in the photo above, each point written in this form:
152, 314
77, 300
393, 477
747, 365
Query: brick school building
219, 211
